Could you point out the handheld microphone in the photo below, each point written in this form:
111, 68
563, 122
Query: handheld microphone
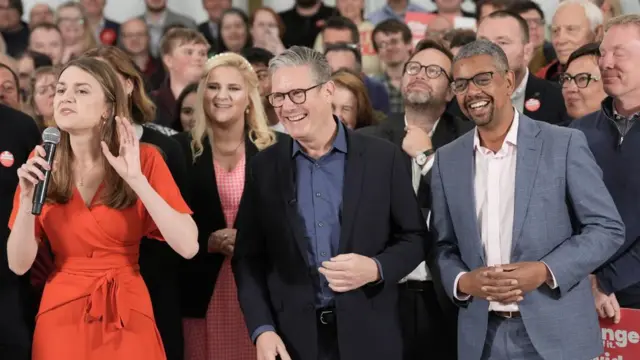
51, 138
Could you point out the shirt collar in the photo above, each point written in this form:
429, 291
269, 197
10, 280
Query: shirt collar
339, 143
433, 128
161, 20
519, 91
512, 134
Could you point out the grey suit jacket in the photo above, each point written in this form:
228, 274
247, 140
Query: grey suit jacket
563, 216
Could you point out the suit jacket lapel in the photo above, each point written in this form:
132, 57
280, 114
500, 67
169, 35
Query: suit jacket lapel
286, 173
465, 186
352, 187
529, 150
249, 151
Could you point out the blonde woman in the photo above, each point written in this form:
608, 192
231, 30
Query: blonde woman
230, 127
77, 35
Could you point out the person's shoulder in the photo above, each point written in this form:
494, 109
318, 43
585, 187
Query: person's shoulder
15, 120
150, 156
588, 121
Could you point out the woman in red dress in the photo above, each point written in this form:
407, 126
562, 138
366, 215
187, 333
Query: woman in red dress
230, 127
107, 191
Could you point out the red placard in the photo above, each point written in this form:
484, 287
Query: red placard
418, 22
622, 340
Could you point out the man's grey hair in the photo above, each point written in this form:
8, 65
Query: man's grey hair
303, 56
484, 47
591, 11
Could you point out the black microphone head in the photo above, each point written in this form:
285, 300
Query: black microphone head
51, 135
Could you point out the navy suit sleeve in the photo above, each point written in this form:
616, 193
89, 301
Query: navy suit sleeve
620, 273
250, 264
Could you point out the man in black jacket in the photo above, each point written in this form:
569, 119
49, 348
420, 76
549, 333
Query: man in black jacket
19, 135
330, 227
428, 317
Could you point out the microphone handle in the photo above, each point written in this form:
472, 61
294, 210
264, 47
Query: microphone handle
40, 193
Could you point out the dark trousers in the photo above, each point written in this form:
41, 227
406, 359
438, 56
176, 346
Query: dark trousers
327, 336
427, 331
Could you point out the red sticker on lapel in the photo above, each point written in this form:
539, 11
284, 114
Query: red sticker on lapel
6, 159
532, 105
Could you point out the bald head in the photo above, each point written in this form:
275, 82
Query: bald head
134, 36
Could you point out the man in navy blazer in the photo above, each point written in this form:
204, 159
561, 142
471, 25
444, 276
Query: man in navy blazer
331, 225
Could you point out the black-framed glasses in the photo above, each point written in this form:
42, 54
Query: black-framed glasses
481, 80
582, 80
297, 96
433, 71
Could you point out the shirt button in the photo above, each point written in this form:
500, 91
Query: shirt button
317, 165
323, 254
320, 224
317, 194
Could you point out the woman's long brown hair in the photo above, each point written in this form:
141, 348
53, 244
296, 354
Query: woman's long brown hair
116, 193
143, 110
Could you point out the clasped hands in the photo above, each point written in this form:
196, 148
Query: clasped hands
348, 272
222, 241
506, 283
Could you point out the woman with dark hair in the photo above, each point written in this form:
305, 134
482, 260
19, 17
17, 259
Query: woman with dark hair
106, 192
351, 103
234, 31
185, 107
158, 264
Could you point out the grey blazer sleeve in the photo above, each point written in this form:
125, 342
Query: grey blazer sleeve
600, 228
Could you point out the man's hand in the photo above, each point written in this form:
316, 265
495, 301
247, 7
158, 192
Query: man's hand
347, 272
416, 141
606, 305
222, 241
478, 283
528, 276
269, 345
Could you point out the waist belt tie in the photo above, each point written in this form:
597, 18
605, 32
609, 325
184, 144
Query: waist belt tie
105, 304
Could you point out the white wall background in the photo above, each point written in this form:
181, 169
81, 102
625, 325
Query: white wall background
120, 10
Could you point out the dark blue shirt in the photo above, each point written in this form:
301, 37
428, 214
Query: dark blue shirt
319, 193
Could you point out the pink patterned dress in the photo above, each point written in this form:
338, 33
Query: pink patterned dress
222, 334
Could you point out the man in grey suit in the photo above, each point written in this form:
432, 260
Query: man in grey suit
158, 17
521, 217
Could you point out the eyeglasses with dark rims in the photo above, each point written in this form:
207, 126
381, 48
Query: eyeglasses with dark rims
582, 80
297, 96
432, 71
481, 80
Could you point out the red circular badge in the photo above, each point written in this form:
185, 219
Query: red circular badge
108, 36
532, 104
320, 23
6, 159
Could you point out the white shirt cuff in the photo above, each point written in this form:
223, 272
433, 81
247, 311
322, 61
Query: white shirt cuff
425, 169
456, 295
553, 283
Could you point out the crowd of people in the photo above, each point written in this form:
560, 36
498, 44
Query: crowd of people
320, 183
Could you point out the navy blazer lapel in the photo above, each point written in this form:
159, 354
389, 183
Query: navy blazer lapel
286, 173
529, 150
352, 186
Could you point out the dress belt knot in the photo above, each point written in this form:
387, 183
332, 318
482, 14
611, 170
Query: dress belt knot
104, 305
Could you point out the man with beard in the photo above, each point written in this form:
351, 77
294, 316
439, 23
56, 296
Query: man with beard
522, 217
304, 22
536, 98
428, 318
158, 17
613, 136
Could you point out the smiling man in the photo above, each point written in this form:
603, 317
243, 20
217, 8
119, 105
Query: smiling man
516, 261
318, 255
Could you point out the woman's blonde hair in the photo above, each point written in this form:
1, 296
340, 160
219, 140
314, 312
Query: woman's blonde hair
117, 194
89, 39
143, 110
255, 120
30, 106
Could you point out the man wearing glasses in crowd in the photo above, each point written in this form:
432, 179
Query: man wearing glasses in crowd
516, 261
317, 259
